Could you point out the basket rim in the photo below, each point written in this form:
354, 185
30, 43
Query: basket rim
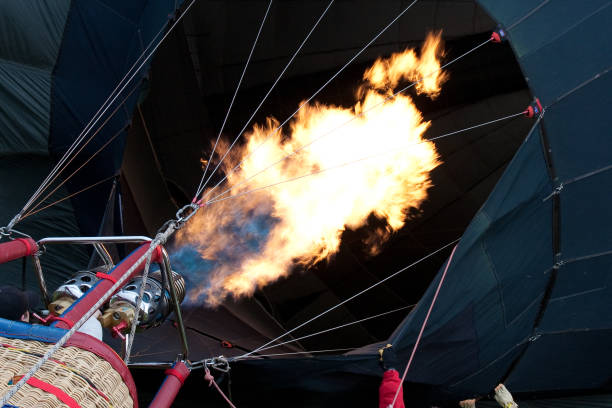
45, 334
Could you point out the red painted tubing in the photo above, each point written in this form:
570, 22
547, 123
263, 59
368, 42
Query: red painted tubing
17, 248
386, 392
86, 302
175, 377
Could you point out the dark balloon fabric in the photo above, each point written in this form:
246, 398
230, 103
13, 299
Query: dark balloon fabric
59, 61
532, 271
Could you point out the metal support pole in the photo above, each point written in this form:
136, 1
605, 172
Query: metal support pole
104, 255
167, 272
136, 239
152, 365
41, 280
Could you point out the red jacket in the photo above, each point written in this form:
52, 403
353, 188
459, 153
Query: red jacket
388, 387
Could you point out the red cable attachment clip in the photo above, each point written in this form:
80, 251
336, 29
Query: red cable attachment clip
199, 202
226, 344
43, 320
116, 331
52, 318
106, 276
498, 36
534, 109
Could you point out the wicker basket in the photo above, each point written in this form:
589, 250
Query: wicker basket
88, 379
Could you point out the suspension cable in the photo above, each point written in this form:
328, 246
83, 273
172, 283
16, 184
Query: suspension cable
275, 131
69, 196
136, 320
380, 282
360, 114
295, 352
416, 344
109, 141
218, 198
265, 97
110, 100
119, 88
334, 328
263, 20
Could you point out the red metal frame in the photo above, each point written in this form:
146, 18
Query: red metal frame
17, 248
175, 377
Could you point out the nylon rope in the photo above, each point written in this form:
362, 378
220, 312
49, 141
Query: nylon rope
266, 95
263, 20
360, 114
275, 131
416, 344
217, 198
334, 328
380, 282
143, 283
211, 381
55, 171
160, 239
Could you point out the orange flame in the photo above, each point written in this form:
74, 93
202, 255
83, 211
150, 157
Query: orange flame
303, 220
425, 70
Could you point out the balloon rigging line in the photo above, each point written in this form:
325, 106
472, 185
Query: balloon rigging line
112, 98
351, 298
295, 352
416, 344
33, 207
57, 169
218, 198
61, 164
204, 362
233, 98
211, 382
334, 328
137, 319
266, 95
529, 14
360, 114
275, 131
68, 196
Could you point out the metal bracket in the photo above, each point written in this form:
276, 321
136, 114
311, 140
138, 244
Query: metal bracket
97, 242
8, 232
104, 255
169, 281
183, 215
219, 363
